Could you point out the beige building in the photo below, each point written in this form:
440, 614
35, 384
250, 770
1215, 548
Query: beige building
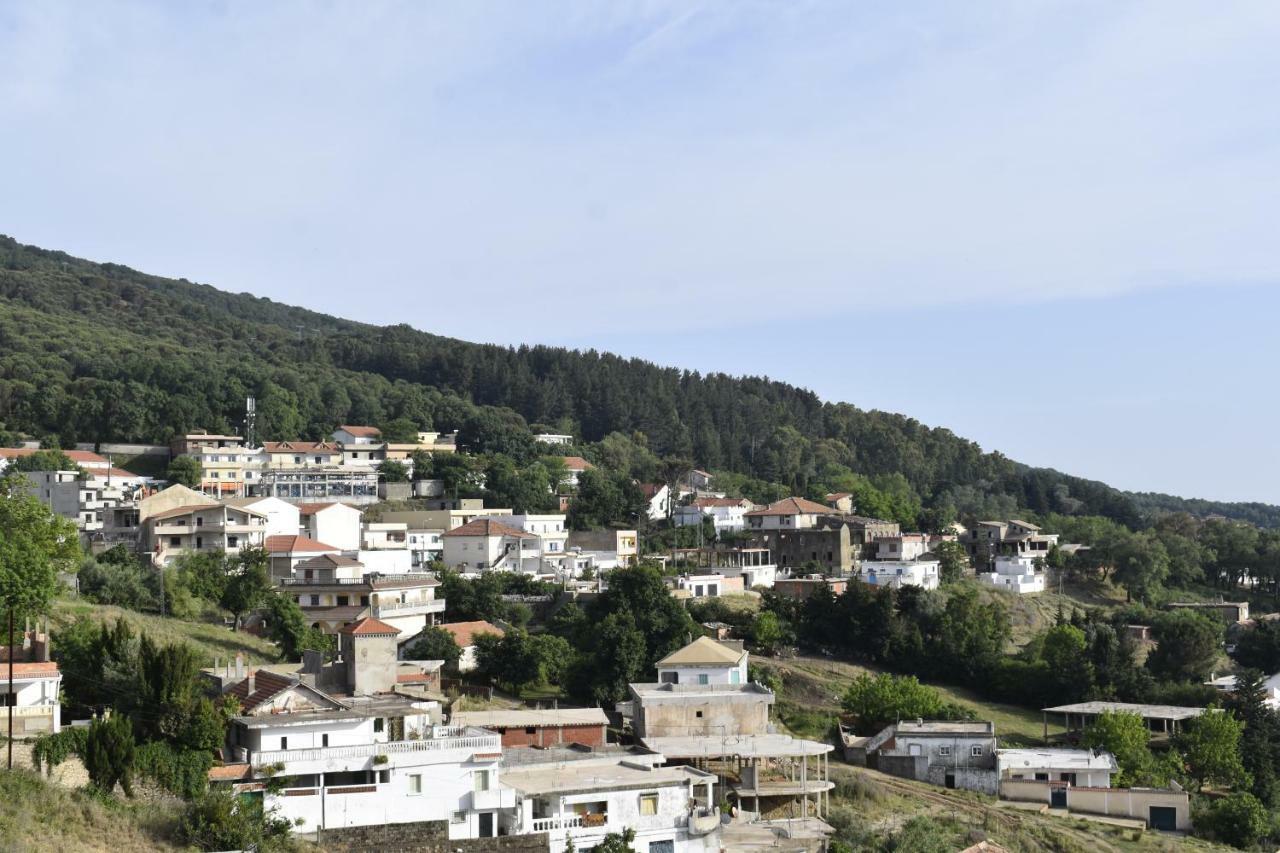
223, 461
285, 455
201, 529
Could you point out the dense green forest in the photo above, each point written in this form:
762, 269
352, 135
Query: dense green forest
95, 352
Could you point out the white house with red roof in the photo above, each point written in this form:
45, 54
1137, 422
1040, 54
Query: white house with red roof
574, 466
487, 544
464, 634
727, 514
36, 681
286, 552
658, 497
333, 523
85, 459
787, 514
349, 435
352, 749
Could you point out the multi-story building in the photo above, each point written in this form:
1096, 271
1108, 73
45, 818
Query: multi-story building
490, 545
202, 528
284, 553
541, 727
1015, 573
342, 747
988, 539
922, 572
551, 533
334, 483
702, 709
728, 515
285, 455
331, 522
608, 549
224, 461
335, 591
954, 754
787, 514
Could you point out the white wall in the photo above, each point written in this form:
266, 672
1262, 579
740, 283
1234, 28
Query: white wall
338, 526
714, 674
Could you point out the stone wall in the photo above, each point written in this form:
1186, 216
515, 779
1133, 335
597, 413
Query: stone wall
425, 837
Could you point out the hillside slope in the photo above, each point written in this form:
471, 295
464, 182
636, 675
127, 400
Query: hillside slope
96, 352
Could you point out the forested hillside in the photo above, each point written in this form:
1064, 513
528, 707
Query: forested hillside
97, 352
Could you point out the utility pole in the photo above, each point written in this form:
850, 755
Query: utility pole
12, 697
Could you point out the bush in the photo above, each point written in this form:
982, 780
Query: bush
885, 699
184, 772
109, 754
1239, 819
218, 820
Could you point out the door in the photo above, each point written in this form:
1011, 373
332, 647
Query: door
1058, 798
950, 780
486, 825
1164, 818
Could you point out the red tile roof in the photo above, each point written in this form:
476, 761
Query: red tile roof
370, 627
705, 502
266, 684
182, 510
464, 633
576, 463
81, 457
29, 669
835, 496
651, 489
292, 544
793, 506
362, 431
229, 773
488, 527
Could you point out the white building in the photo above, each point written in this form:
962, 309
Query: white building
894, 574
490, 545
333, 523
425, 546
551, 533
727, 514
352, 752
284, 553
553, 438
671, 809
952, 754
573, 467
1015, 574
385, 536
704, 661
787, 514
348, 435
282, 516
1270, 687
658, 497
1073, 767
203, 528
36, 681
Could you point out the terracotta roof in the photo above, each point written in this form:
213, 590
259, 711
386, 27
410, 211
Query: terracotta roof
488, 527
793, 506
117, 474
82, 457
229, 773
835, 496
370, 627
651, 489
313, 508
182, 510
705, 502
464, 633
361, 431
300, 446
266, 684
576, 463
703, 651
290, 544
30, 669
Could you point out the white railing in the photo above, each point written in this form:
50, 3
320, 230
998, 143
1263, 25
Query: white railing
474, 743
28, 710
408, 607
551, 824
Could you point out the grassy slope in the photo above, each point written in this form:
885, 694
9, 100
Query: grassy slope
210, 641
38, 816
866, 802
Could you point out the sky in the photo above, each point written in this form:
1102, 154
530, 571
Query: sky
1050, 227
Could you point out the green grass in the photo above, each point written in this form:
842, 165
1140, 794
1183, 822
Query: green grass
36, 815
210, 641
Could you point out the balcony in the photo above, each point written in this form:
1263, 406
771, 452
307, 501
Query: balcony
559, 824
498, 798
407, 608
704, 821
468, 743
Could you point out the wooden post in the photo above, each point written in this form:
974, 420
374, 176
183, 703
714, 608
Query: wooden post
13, 699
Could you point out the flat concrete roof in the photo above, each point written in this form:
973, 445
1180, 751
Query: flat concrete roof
585, 777
1148, 712
1055, 759
655, 691
747, 746
945, 728
528, 717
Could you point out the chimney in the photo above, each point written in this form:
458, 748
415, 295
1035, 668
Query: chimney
249, 685
239, 666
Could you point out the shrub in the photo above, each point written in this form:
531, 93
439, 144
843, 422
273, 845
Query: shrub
1239, 819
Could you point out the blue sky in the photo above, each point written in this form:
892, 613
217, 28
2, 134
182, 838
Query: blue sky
1048, 226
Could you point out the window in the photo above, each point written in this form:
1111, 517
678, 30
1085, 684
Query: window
415, 783
284, 743
457, 817
233, 541
698, 714
175, 541
975, 751
703, 678
735, 677
342, 601
648, 805
379, 724
324, 740
315, 601
1042, 777
482, 780
530, 730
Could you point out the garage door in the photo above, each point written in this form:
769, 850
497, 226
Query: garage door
1164, 817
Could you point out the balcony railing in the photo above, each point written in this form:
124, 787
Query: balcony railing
474, 743
552, 824
407, 608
